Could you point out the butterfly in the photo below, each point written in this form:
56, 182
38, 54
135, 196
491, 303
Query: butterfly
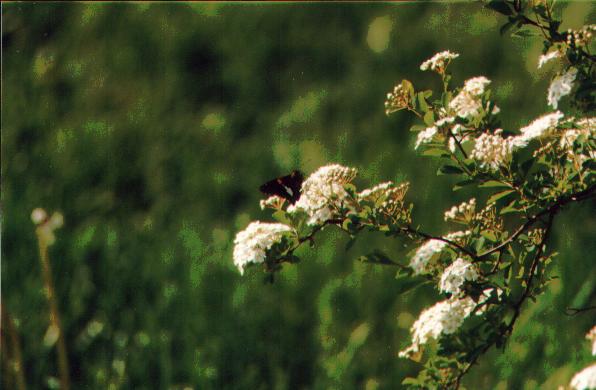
287, 187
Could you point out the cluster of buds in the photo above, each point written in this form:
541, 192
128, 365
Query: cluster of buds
581, 37
463, 213
439, 61
397, 100
46, 224
544, 150
388, 199
487, 218
535, 236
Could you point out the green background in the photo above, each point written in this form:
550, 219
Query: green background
151, 127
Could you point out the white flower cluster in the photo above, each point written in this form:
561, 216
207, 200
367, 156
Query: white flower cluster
251, 244
494, 151
545, 58
541, 127
386, 197
273, 202
387, 191
467, 103
581, 37
585, 379
439, 61
444, 121
476, 85
425, 136
372, 194
421, 260
464, 212
459, 235
560, 86
456, 275
397, 99
444, 317
323, 193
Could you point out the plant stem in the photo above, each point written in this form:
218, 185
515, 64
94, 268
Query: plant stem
54, 313
17, 360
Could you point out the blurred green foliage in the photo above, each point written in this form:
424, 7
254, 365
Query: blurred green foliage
151, 126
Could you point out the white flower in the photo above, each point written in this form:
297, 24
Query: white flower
452, 144
494, 151
475, 86
592, 337
588, 124
389, 196
457, 131
465, 104
421, 259
547, 57
458, 236
38, 216
456, 274
273, 202
375, 192
542, 126
425, 136
439, 61
251, 244
444, 317
443, 121
463, 212
569, 137
585, 379
561, 86
323, 193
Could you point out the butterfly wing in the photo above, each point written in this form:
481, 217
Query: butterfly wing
287, 187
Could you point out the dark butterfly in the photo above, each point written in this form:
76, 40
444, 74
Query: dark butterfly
287, 187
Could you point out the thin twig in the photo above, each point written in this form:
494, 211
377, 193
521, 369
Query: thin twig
54, 313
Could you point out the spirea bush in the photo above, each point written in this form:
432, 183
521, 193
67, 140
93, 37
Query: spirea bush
496, 258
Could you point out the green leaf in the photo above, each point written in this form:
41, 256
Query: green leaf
422, 102
492, 184
429, 118
510, 208
417, 128
290, 259
377, 257
281, 217
408, 86
435, 152
500, 6
523, 34
506, 27
405, 283
526, 166
499, 195
462, 184
449, 170
489, 235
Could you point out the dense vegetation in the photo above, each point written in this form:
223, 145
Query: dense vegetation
151, 127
